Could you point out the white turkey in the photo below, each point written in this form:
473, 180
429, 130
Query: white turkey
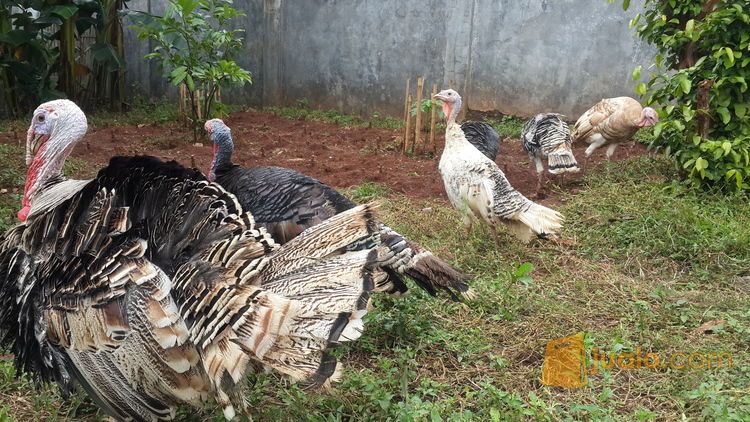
148, 286
478, 188
484, 138
286, 202
612, 121
547, 135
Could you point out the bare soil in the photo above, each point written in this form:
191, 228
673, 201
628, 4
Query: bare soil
339, 156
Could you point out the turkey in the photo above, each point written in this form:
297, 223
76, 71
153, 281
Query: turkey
612, 121
547, 135
484, 138
478, 189
148, 286
286, 202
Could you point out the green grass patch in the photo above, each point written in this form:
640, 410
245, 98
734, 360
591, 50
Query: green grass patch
644, 264
507, 126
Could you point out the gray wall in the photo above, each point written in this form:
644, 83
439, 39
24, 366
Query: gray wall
514, 56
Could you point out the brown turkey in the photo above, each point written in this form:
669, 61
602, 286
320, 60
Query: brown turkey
148, 286
612, 121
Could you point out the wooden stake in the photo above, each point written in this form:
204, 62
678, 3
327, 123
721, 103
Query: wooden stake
407, 132
198, 104
433, 118
418, 124
406, 101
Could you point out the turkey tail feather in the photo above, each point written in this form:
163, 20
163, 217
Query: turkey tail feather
541, 220
428, 271
562, 162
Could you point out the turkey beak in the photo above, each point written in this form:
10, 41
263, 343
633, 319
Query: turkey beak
438, 97
34, 143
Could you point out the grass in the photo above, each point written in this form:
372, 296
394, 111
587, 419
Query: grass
507, 126
645, 263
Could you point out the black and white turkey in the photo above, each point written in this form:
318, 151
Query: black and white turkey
484, 137
148, 286
287, 202
478, 189
547, 135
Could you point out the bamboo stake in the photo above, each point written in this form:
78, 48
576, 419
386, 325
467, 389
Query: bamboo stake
406, 101
433, 118
182, 99
199, 98
407, 132
418, 124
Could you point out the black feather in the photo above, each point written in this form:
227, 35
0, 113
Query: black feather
484, 138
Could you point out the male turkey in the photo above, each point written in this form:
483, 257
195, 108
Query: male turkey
478, 188
547, 135
286, 202
612, 121
149, 286
484, 138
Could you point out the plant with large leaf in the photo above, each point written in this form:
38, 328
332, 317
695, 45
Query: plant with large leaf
701, 82
195, 49
41, 54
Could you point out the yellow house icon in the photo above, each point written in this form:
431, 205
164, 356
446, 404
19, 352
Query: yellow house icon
565, 362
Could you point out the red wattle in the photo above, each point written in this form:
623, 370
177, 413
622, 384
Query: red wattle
24, 213
31, 176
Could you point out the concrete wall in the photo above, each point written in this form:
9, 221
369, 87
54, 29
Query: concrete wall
515, 56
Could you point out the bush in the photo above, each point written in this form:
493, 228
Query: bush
194, 49
703, 67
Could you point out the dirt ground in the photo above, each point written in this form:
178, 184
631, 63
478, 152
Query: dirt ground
339, 156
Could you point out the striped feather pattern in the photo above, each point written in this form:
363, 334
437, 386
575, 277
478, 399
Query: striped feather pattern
286, 203
150, 286
480, 191
547, 135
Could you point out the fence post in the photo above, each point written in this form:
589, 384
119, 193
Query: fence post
407, 130
433, 118
418, 123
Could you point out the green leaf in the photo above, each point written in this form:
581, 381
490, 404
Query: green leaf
625, 4
728, 57
701, 164
178, 75
685, 84
65, 11
689, 27
740, 110
187, 6
658, 128
687, 113
641, 89
724, 113
190, 83
727, 147
637, 73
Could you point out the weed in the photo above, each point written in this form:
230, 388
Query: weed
367, 192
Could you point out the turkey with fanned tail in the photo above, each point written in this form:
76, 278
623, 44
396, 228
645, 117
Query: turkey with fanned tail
148, 286
286, 202
547, 135
478, 188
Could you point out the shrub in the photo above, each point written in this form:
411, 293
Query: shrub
194, 49
703, 68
